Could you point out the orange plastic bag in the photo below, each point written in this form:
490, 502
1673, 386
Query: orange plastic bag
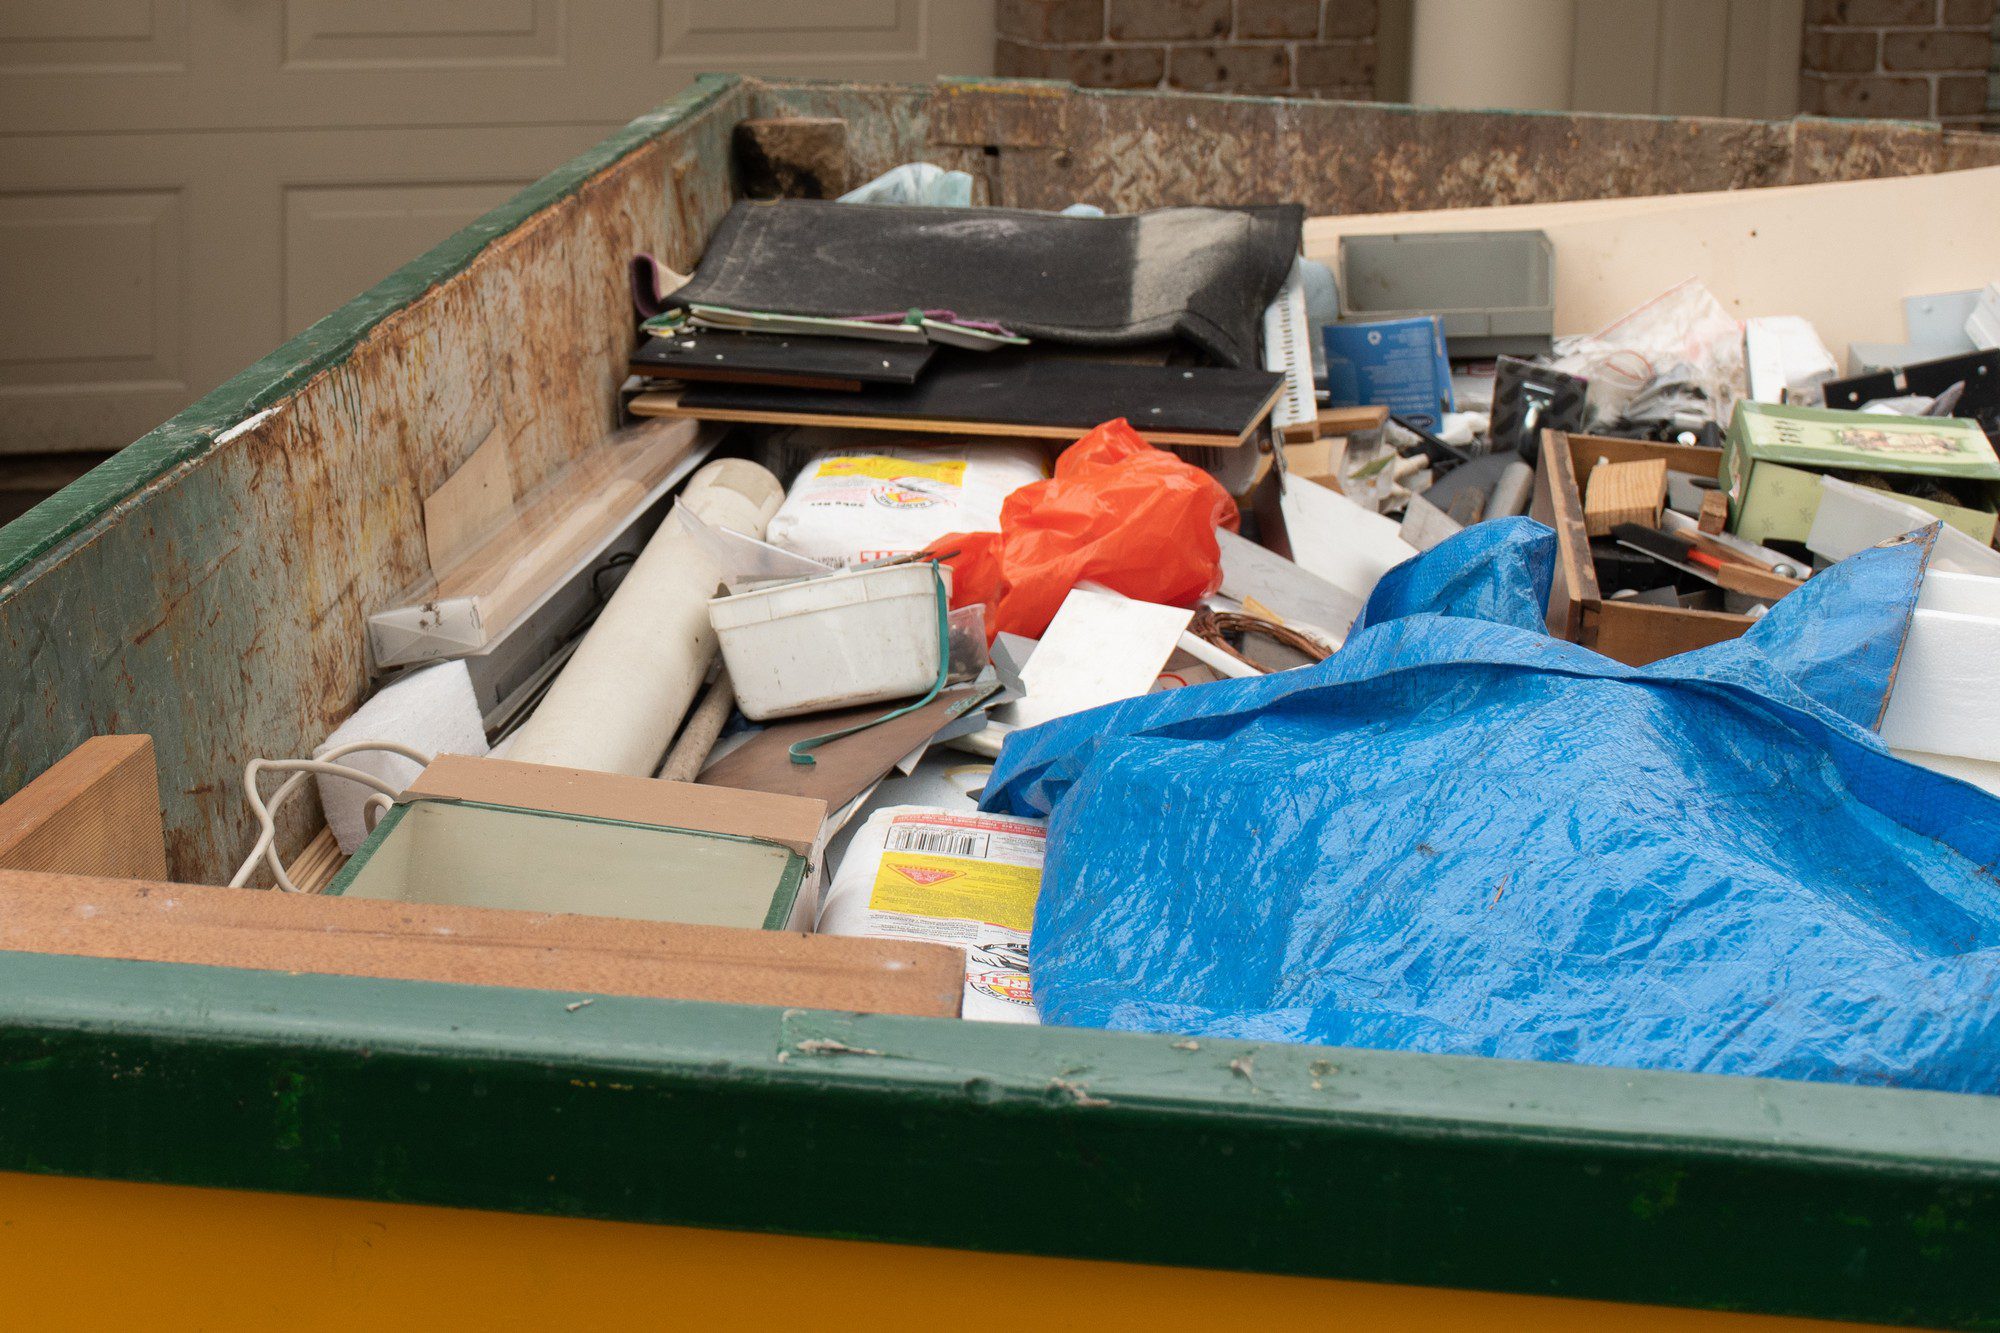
1117, 512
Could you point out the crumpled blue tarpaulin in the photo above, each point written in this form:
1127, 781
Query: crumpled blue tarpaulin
1461, 835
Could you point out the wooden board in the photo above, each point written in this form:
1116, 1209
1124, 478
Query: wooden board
296, 932
1001, 393
96, 811
547, 534
1843, 255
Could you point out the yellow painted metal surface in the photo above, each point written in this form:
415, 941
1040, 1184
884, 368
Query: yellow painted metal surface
91, 1254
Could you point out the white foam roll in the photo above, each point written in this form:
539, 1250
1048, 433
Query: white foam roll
616, 706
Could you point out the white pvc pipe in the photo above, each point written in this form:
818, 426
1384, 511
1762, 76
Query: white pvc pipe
618, 703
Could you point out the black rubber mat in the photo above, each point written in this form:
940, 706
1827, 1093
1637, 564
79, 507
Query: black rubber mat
1204, 274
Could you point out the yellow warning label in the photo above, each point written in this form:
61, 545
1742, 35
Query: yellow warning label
951, 886
949, 471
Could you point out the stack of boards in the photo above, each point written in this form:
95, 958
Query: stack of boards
807, 380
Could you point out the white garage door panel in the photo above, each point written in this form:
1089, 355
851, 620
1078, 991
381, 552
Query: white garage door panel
229, 64
185, 183
107, 330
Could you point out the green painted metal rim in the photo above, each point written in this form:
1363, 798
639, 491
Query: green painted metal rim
98, 494
1446, 1171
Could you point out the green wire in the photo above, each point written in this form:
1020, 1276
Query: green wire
799, 748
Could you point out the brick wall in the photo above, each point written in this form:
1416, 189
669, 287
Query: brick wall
1906, 59
1315, 48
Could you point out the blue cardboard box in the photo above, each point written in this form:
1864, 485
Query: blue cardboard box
1397, 363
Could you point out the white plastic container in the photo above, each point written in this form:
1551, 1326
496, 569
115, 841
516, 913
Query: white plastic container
858, 637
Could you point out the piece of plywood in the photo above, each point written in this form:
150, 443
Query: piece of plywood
294, 932
1624, 493
1842, 255
96, 811
473, 501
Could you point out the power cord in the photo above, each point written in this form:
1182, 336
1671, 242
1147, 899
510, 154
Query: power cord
265, 848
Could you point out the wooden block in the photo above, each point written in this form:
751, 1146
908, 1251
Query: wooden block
1714, 512
1754, 582
1624, 493
318, 862
292, 932
96, 811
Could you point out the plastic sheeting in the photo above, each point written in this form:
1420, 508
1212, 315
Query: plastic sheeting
1461, 835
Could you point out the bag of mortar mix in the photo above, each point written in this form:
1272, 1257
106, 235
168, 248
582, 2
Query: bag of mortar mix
851, 505
917, 873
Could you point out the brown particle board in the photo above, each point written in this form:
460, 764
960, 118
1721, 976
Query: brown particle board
96, 811
265, 930
790, 821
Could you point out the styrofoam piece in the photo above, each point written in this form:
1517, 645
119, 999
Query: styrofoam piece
1981, 773
1784, 352
1100, 648
1852, 518
1965, 594
1943, 701
861, 636
1335, 538
1983, 324
433, 710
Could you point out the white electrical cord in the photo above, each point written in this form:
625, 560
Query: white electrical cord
265, 849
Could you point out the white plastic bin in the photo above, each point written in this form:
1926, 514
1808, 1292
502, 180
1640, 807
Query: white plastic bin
857, 637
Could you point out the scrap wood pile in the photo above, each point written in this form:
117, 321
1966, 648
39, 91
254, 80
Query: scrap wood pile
1214, 621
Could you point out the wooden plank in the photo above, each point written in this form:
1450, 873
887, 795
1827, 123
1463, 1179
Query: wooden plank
1624, 493
1637, 633
1748, 246
662, 404
96, 811
290, 932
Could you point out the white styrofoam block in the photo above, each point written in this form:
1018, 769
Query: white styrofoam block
1967, 594
1983, 324
433, 710
1981, 773
1943, 701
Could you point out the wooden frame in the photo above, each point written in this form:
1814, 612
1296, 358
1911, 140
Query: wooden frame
1630, 632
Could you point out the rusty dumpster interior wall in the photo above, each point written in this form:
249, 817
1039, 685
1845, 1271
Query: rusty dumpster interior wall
219, 608
1049, 145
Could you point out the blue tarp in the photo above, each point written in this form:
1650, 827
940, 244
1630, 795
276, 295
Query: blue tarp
1461, 835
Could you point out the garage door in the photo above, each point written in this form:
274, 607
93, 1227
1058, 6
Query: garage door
186, 183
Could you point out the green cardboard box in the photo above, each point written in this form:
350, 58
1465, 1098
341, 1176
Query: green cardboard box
1772, 457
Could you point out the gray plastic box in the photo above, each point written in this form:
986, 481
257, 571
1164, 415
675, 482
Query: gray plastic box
1494, 290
